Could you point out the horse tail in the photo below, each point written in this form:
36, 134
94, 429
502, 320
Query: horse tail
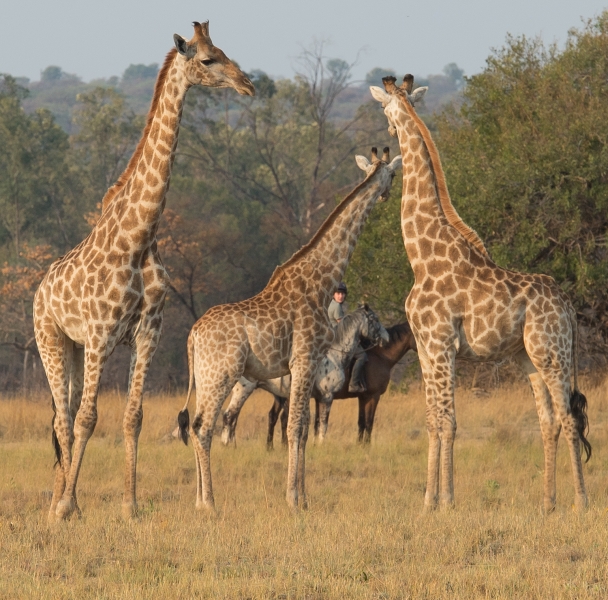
54, 438
183, 418
578, 402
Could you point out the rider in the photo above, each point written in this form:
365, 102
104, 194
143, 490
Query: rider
336, 314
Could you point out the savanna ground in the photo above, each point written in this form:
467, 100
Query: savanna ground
364, 535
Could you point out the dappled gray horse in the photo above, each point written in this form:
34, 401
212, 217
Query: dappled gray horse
361, 323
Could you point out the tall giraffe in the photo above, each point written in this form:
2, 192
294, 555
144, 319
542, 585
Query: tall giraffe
462, 304
110, 289
284, 329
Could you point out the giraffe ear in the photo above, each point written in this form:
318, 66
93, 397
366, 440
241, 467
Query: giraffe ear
185, 49
417, 94
380, 95
362, 162
395, 163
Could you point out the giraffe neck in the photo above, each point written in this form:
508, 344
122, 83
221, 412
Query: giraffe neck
429, 222
137, 200
323, 261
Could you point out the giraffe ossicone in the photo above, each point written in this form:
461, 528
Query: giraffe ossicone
283, 329
110, 289
464, 305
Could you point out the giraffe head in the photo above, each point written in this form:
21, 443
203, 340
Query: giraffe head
207, 65
388, 97
384, 164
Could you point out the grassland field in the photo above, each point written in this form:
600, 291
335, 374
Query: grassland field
363, 536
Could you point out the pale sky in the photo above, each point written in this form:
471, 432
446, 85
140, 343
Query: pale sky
100, 39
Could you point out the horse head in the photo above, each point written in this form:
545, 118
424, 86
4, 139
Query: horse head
372, 329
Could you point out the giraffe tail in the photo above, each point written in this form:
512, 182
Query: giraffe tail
54, 438
183, 418
578, 401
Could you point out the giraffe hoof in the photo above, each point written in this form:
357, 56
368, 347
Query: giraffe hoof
206, 507
581, 505
292, 501
128, 510
65, 508
53, 519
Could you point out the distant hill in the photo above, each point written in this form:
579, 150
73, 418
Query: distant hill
58, 91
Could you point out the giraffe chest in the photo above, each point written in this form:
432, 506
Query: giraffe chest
115, 300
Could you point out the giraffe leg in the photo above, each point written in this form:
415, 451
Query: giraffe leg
56, 355
302, 456
446, 418
431, 495
141, 357
549, 426
559, 388
550, 429
76, 389
209, 404
302, 379
241, 391
84, 425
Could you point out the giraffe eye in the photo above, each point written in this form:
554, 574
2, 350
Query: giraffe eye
208, 61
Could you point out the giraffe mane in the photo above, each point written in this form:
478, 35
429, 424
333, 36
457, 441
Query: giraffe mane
329, 221
447, 207
132, 164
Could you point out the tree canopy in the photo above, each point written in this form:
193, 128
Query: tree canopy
526, 160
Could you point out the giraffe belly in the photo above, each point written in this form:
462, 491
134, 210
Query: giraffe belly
487, 347
269, 367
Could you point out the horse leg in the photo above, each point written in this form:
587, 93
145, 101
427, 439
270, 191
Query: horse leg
370, 414
322, 417
284, 421
361, 420
242, 389
273, 417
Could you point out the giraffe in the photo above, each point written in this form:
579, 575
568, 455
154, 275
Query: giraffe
110, 289
462, 304
283, 329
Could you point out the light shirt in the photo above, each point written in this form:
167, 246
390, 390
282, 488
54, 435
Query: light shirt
335, 312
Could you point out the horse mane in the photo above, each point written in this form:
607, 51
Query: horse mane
442, 189
345, 328
397, 332
132, 164
329, 221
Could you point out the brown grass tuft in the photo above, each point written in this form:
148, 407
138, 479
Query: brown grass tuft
364, 535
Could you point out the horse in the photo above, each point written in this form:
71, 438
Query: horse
380, 361
361, 323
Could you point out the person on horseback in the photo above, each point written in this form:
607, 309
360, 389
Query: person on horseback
336, 313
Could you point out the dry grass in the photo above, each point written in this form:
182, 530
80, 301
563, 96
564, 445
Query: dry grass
364, 535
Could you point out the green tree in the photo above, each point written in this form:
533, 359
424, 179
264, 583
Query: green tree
33, 173
526, 159
107, 133
379, 272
